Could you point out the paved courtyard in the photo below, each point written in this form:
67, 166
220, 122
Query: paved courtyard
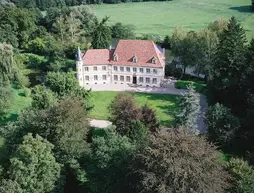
168, 88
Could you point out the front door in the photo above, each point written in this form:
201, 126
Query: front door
134, 80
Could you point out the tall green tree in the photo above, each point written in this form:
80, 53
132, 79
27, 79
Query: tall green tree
101, 34
34, 166
6, 97
222, 125
122, 31
189, 110
9, 186
108, 165
228, 68
176, 161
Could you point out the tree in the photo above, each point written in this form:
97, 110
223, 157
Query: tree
228, 68
7, 63
109, 158
9, 186
148, 118
34, 166
166, 42
74, 30
222, 125
101, 34
175, 161
122, 31
123, 112
186, 47
189, 110
243, 176
252, 4
5, 100
43, 97
218, 26
60, 28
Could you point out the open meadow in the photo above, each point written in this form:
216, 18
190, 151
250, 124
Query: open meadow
159, 18
164, 104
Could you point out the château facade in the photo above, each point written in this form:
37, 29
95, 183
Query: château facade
138, 62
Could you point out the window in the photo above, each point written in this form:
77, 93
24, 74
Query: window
141, 70
95, 68
155, 71
147, 80
121, 78
128, 69
128, 78
104, 68
135, 59
154, 60
141, 79
104, 77
87, 78
148, 70
134, 69
122, 69
154, 80
115, 77
86, 69
95, 77
115, 68
115, 57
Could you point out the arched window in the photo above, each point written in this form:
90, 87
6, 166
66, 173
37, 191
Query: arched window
135, 59
115, 57
154, 60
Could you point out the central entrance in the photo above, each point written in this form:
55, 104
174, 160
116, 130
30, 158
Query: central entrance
134, 79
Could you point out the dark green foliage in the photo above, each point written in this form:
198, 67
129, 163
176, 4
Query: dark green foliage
16, 26
148, 118
166, 43
108, 165
228, 68
182, 84
43, 98
121, 31
101, 34
222, 125
5, 100
189, 110
243, 176
33, 165
9, 186
175, 161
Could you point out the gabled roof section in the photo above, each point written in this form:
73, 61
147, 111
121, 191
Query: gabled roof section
97, 56
144, 50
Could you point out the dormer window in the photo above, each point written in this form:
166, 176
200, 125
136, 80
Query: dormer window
154, 60
135, 59
115, 57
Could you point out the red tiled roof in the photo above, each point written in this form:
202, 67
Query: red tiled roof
144, 50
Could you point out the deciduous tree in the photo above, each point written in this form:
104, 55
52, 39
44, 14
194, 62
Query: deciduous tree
34, 166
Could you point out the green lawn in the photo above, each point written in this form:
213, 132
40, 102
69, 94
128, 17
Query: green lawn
164, 104
160, 18
18, 103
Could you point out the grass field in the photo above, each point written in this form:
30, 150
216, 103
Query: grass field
164, 104
18, 103
160, 18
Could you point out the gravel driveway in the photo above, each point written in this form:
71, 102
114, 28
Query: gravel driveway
169, 89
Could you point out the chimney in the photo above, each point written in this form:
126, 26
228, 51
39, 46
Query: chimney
163, 51
110, 47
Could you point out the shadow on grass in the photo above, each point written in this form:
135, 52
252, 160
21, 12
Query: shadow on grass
9, 118
243, 9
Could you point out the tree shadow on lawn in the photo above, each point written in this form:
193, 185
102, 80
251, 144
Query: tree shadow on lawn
9, 118
243, 9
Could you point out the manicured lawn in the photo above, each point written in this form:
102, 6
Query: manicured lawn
164, 104
160, 18
18, 103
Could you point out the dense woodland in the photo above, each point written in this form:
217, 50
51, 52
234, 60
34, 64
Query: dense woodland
52, 148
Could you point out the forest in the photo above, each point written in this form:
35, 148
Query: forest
50, 147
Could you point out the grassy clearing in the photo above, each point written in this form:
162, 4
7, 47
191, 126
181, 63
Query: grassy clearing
159, 18
182, 84
164, 104
18, 103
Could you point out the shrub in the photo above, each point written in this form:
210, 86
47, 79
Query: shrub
182, 84
27, 92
